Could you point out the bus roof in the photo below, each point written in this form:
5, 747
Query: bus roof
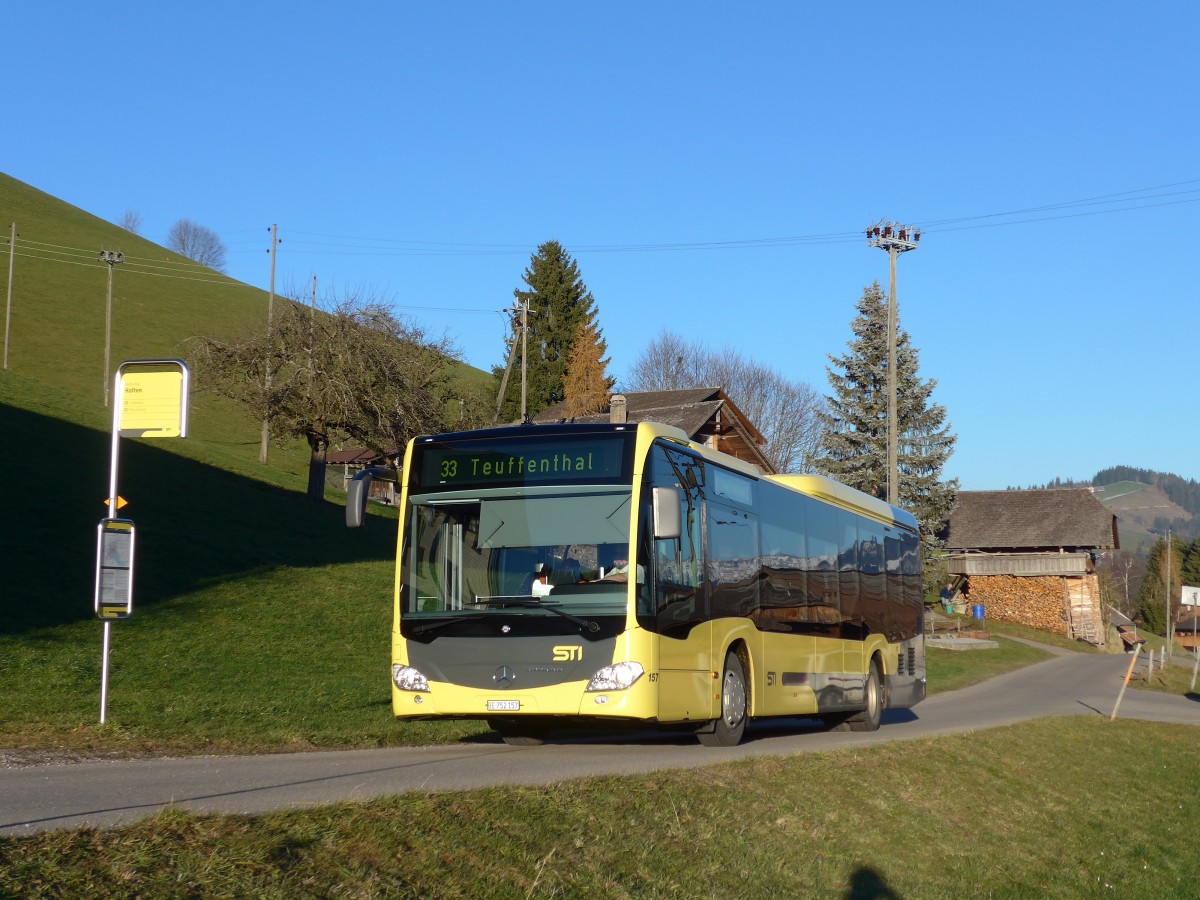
839, 494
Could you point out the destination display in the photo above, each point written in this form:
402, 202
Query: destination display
565, 459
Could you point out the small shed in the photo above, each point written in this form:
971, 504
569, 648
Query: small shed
1029, 557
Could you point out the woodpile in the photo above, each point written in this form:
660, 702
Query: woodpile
1033, 602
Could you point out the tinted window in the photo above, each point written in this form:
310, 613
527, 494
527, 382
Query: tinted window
732, 560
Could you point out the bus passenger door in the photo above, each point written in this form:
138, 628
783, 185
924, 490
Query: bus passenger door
681, 618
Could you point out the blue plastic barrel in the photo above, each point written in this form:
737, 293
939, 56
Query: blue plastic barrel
977, 611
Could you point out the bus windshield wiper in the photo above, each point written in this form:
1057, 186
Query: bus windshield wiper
531, 603
434, 626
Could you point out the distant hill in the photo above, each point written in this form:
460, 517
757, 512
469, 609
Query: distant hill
1143, 512
1183, 492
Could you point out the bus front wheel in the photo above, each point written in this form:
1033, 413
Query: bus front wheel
735, 707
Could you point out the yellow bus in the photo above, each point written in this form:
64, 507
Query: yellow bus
553, 576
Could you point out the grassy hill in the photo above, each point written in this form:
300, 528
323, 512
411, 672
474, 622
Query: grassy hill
160, 301
257, 614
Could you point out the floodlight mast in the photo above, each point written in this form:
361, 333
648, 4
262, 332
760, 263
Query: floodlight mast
110, 259
895, 239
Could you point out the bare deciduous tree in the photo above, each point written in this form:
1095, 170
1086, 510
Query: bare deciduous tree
131, 221
355, 372
197, 243
786, 412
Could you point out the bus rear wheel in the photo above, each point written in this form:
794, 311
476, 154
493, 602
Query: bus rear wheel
869, 718
735, 707
873, 694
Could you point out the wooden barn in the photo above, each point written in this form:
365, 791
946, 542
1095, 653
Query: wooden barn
1029, 557
705, 414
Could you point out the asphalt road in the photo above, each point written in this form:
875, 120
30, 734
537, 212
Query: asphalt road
113, 792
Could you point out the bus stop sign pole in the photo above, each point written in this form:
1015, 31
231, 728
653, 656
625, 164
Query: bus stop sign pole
150, 401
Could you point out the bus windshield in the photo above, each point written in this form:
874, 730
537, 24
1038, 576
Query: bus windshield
513, 552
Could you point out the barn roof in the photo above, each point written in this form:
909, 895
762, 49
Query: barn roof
1070, 519
703, 413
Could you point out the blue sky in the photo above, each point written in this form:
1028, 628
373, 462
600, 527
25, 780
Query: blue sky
711, 167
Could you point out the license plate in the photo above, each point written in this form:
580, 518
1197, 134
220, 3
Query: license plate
503, 705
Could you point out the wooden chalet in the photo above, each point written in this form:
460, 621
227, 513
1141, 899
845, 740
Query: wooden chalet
1187, 630
706, 414
1029, 557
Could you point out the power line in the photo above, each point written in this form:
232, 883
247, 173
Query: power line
1096, 212
352, 246
349, 245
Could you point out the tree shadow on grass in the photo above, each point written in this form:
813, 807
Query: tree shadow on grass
867, 884
195, 523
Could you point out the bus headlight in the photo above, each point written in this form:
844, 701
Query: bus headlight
617, 677
406, 678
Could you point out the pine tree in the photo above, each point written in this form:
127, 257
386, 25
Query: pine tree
853, 447
586, 383
1152, 595
559, 302
1191, 564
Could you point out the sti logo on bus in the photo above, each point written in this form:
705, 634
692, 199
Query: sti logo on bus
566, 654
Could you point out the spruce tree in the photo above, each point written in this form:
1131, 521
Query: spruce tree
853, 446
559, 302
1152, 594
1191, 564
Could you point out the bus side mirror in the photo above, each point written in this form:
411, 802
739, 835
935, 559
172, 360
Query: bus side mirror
359, 489
667, 522
356, 499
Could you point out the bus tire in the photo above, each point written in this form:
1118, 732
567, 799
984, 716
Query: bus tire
869, 718
735, 707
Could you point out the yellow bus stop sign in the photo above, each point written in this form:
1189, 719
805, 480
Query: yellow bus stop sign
152, 398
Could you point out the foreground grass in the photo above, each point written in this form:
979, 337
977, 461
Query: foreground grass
281, 660
1042, 809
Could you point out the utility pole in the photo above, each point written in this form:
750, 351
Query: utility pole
12, 247
266, 427
109, 258
512, 352
1167, 620
895, 239
524, 354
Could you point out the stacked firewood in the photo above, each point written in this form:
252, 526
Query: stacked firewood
1033, 602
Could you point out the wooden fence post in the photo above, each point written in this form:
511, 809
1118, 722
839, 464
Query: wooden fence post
1128, 674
